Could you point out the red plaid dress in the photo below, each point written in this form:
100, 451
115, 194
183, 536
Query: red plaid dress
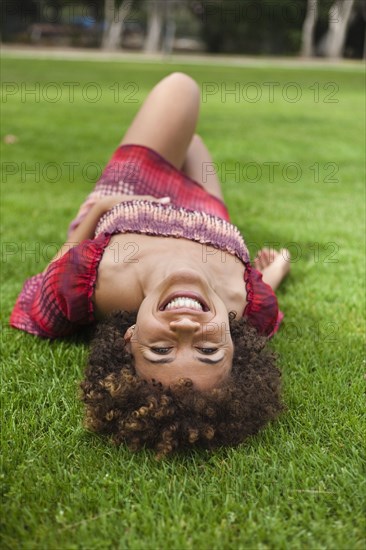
59, 302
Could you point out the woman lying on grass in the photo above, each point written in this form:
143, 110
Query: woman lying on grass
179, 356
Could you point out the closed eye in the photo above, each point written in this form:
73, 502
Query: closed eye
164, 351
207, 351
161, 351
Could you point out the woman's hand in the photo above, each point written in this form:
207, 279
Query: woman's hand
273, 264
106, 203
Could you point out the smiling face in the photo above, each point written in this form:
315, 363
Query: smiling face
182, 331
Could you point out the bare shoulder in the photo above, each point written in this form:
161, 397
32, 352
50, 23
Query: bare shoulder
117, 284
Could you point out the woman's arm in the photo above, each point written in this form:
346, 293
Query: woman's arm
274, 265
86, 228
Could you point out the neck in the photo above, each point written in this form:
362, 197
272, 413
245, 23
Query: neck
149, 281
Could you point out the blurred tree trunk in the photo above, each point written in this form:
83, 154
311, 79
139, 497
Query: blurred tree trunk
307, 38
156, 9
170, 26
363, 11
339, 18
114, 19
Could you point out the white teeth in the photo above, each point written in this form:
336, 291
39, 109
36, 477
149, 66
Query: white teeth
182, 301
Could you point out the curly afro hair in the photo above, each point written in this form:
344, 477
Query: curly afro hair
146, 414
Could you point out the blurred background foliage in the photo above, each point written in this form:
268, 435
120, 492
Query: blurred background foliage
329, 28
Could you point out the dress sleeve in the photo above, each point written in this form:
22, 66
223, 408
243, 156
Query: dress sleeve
262, 308
58, 301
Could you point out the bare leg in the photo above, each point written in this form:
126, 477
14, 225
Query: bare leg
199, 166
167, 119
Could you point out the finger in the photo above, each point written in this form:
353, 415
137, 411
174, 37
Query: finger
265, 256
285, 253
257, 264
259, 261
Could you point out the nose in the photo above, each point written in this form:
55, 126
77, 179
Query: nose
185, 325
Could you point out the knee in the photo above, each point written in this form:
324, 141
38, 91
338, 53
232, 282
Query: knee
197, 141
184, 83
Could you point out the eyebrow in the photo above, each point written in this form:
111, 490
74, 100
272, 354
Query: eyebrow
202, 360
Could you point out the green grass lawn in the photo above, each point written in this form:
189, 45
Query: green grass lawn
292, 175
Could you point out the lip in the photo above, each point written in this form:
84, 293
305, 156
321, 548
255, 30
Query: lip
187, 294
